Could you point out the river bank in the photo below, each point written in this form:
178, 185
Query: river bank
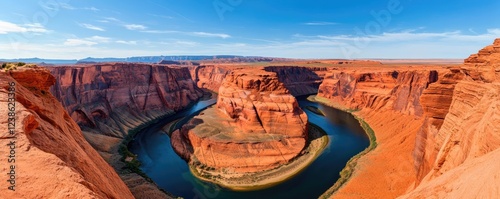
317, 142
345, 136
350, 167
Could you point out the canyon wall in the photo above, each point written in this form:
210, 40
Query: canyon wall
52, 159
255, 126
381, 89
466, 147
209, 76
299, 80
388, 99
108, 100
436, 128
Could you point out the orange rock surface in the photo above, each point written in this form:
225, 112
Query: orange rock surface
257, 125
466, 146
209, 76
442, 144
110, 99
52, 158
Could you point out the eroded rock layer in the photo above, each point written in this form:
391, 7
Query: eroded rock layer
256, 125
468, 141
384, 89
298, 80
109, 100
209, 76
52, 159
449, 114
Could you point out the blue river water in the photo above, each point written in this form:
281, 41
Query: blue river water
171, 173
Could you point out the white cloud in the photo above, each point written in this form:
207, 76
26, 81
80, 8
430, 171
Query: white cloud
108, 20
187, 43
206, 34
7, 27
91, 27
78, 42
126, 42
197, 34
67, 6
135, 27
161, 16
160, 31
91, 9
89, 41
321, 23
100, 39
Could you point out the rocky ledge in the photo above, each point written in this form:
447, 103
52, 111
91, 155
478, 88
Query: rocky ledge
256, 126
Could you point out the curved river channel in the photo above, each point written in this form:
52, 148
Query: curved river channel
171, 173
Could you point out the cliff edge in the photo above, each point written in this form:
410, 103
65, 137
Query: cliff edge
49, 148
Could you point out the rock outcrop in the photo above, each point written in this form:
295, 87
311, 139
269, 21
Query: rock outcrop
384, 89
255, 126
109, 100
52, 158
467, 143
209, 76
449, 115
298, 80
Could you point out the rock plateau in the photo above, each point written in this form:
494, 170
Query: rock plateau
255, 126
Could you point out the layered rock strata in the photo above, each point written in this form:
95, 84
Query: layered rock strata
255, 126
109, 100
52, 158
298, 80
465, 148
450, 120
209, 76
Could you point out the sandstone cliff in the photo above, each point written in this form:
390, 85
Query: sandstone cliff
465, 148
257, 125
388, 99
52, 158
209, 76
382, 89
449, 114
109, 100
298, 80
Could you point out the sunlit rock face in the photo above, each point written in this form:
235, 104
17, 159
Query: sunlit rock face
256, 125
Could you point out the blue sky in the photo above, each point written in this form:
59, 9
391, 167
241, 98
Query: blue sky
74, 29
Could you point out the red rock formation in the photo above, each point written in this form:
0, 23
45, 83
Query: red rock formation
468, 141
456, 134
379, 90
388, 99
298, 80
53, 160
257, 125
108, 100
209, 76
436, 101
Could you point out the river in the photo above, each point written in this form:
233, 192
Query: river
171, 173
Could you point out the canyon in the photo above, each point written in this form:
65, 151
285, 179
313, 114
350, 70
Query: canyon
255, 127
50, 148
436, 126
